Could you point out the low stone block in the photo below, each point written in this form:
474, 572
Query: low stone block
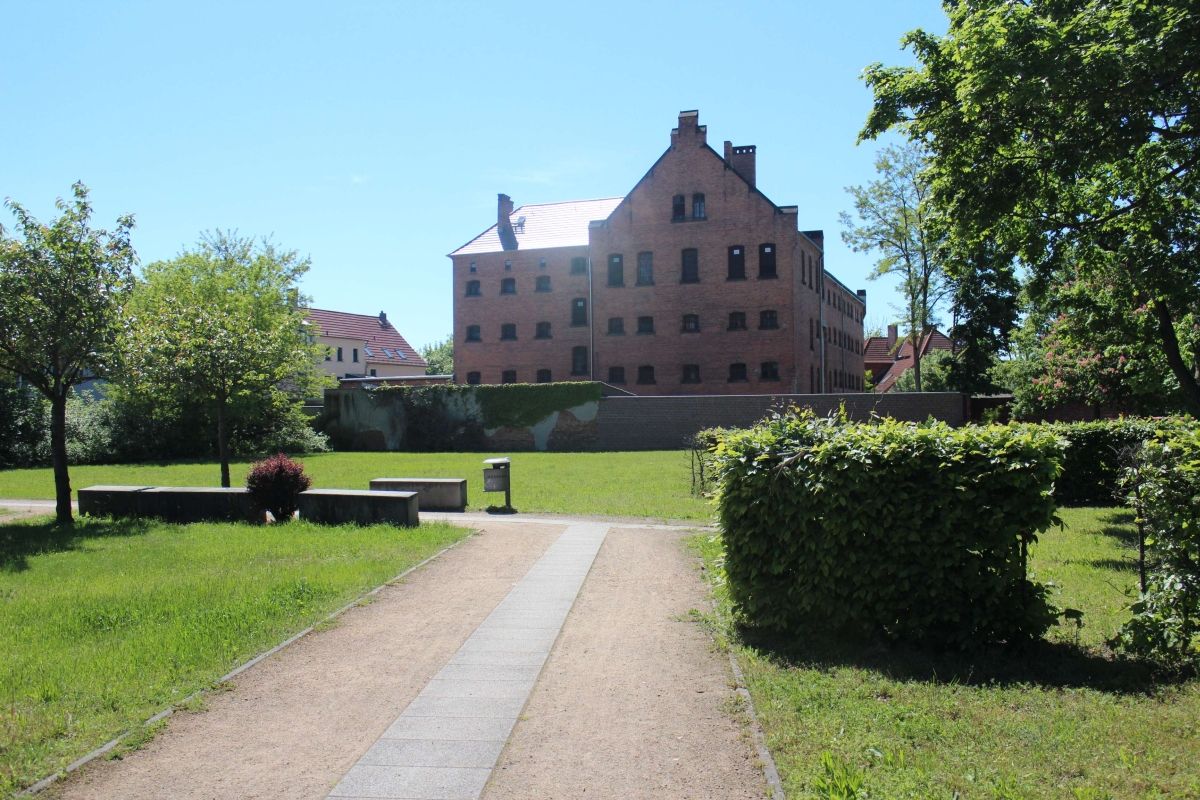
339, 506
435, 494
109, 501
198, 504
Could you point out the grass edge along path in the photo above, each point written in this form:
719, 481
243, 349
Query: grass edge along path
158, 613
1065, 721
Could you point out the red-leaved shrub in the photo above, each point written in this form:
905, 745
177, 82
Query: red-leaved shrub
275, 484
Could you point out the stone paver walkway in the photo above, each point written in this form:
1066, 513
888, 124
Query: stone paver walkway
446, 742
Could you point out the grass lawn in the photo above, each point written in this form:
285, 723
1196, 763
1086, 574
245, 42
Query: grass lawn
103, 626
644, 484
1064, 721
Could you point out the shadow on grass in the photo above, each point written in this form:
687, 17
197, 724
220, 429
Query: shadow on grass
20, 540
1048, 664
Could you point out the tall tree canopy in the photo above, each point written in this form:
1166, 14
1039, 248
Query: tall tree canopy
222, 324
61, 290
439, 357
1064, 131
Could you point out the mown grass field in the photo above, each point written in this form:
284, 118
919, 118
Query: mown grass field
645, 484
106, 624
1066, 720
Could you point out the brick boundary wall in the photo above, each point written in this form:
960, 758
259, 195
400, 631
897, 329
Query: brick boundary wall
667, 423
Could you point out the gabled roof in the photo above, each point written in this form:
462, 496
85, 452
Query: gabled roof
546, 225
382, 343
876, 352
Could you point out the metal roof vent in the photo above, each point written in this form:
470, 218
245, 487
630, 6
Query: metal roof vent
520, 226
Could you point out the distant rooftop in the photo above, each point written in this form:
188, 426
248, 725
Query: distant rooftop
383, 344
546, 225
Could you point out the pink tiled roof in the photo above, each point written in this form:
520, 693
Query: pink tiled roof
903, 359
877, 350
379, 339
546, 225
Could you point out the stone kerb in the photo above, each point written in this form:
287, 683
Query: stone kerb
433, 494
109, 501
363, 507
198, 504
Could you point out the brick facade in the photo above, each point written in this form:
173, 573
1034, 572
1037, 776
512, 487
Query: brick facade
693, 283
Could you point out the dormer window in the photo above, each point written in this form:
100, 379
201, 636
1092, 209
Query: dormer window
698, 206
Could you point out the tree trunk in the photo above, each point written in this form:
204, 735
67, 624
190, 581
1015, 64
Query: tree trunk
917, 361
1184, 374
58, 456
223, 442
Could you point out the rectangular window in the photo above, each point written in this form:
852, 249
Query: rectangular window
677, 210
616, 375
691, 266
579, 265
769, 371
473, 289
543, 376
508, 331
579, 360
508, 376
645, 325
354, 355
691, 323
616, 270
766, 261
579, 311
698, 206
645, 374
339, 354
645, 267
737, 320
473, 333
616, 326
768, 320
737, 263
508, 266
473, 378
473, 267
372, 373
542, 330
691, 373
810, 333
541, 263
737, 373
542, 283
508, 286
328, 354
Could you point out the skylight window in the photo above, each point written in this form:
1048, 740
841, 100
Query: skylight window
370, 353
387, 351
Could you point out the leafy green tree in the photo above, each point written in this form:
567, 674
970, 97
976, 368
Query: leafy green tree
893, 220
61, 290
221, 324
1064, 131
439, 356
938, 365
984, 306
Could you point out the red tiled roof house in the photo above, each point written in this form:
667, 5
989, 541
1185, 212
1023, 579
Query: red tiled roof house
361, 345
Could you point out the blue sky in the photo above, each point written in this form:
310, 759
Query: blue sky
374, 136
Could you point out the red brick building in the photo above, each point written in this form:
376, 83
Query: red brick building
693, 283
886, 358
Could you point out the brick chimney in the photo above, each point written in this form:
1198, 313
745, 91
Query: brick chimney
504, 209
741, 160
383, 323
893, 334
690, 130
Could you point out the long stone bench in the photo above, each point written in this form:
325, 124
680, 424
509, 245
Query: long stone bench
435, 494
109, 501
363, 507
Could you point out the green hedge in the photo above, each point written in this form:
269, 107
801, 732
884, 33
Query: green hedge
1096, 456
891, 529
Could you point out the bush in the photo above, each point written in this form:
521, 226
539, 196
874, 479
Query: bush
23, 424
1096, 457
1166, 619
904, 531
276, 483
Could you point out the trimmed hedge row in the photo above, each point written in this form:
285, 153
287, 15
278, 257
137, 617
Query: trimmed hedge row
890, 529
1096, 457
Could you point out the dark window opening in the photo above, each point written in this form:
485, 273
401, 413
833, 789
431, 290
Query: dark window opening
691, 323
542, 283
473, 378
579, 360
691, 373
810, 334
472, 267
737, 320
508, 266
645, 325
645, 269
616, 374
677, 210
737, 373
473, 333
372, 373
645, 374
698, 206
768, 320
616, 326
616, 270
508, 286
691, 266
339, 354
737, 263
508, 331
578, 266
473, 289
542, 330
766, 261
769, 371
508, 376
543, 376
579, 311
354, 355
541, 263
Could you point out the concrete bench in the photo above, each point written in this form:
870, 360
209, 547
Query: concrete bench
110, 501
198, 504
435, 494
363, 507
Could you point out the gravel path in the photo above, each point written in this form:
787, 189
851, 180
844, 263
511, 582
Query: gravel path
633, 702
